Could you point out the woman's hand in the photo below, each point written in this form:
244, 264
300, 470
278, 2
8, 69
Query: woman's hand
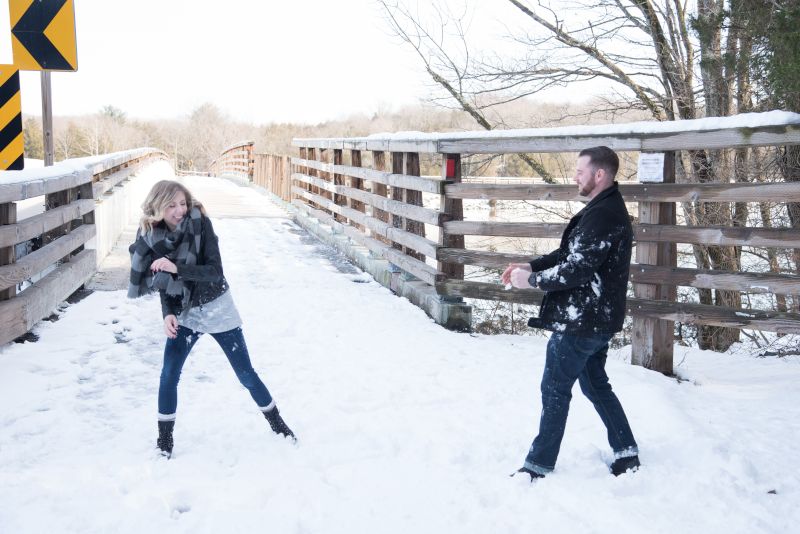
163, 264
506, 276
171, 326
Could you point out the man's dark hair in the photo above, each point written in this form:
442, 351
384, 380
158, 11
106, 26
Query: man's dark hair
602, 157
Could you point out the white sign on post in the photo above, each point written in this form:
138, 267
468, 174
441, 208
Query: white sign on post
651, 167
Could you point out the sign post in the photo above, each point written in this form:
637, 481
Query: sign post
47, 120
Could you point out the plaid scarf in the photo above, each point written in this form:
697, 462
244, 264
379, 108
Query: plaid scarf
180, 246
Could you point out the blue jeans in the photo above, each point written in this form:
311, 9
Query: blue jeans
582, 358
176, 352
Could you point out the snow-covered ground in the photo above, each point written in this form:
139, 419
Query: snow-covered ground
403, 426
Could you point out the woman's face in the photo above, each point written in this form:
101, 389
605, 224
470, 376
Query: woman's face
175, 210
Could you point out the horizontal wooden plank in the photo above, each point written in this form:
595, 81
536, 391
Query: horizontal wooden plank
647, 274
35, 187
718, 235
412, 266
108, 183
752, 129
690, 140
784, 284
481, 258
19, 314
44, 222
373, 245
325, 185
733, 192
505, 229
325, 144
416, 213
409, 211
707, 235
488, 291
112, 162
318, 214
413, 241
417, 183
55, 179
40, 259
768, 321
784, 323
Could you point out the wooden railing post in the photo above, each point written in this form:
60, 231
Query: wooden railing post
454, 209
379, 164
338, 179
85, 191
250, 162
52, 201
301, 169
322, 156
397, 193
311, 154
653, 339
356, 183
8, 215
286, 171
414, 198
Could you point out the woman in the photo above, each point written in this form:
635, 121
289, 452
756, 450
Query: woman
177, 253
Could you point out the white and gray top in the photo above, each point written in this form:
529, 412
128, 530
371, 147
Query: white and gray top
219, 315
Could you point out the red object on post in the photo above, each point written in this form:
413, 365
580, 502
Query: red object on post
451, 168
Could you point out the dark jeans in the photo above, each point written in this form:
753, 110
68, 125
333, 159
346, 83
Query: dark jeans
175, 353
581, 358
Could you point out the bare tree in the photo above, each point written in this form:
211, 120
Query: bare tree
451, 70
669, 58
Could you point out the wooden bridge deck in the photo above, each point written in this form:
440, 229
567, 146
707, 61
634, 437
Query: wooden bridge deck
222, 198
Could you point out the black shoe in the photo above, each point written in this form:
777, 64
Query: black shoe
164, 441
278, 425
623, 465
533, 474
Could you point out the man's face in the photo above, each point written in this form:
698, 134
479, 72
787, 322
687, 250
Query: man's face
586, 177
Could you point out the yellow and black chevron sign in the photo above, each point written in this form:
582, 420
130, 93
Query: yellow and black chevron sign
43, 34
12, 143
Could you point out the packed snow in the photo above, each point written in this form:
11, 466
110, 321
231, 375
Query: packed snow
403, 426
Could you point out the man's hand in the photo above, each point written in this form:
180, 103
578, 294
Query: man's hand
506, 276
171, 326
163, 264
519, 278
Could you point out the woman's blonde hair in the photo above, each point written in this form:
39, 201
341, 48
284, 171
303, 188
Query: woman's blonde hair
159, 198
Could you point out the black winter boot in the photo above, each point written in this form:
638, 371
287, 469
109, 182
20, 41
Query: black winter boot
533, 474
278, 425
164, 441
623, 465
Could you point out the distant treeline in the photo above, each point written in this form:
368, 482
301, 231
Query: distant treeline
193, 141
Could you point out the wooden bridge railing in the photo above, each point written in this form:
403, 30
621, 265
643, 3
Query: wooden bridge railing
235, 161
381, 209
43, 258
273, 173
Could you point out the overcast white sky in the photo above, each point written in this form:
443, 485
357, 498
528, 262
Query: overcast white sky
259, 61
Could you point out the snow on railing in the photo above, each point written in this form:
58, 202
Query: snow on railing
43, 254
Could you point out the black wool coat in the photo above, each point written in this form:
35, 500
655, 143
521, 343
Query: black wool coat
205, 279
586, 278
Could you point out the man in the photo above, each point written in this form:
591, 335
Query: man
585, 282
